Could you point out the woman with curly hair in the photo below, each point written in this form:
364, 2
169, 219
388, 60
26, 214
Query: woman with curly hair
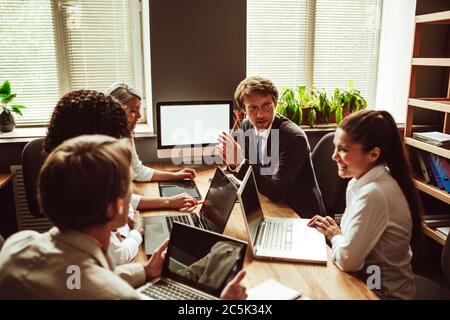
84, 112
131, 103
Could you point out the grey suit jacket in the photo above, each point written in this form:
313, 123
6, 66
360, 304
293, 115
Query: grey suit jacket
45, 266
289, 175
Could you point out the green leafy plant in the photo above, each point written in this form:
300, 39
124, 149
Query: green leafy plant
320, 105
288, 105
300, 101
352, 99
7, 97
337, 106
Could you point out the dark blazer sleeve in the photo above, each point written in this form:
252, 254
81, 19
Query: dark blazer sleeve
293, 154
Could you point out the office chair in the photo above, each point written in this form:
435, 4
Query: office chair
427, 289
32, 161
332, 186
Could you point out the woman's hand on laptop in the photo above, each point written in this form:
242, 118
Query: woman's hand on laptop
186, 173
234, 290
326, 225
154, 265
181, 201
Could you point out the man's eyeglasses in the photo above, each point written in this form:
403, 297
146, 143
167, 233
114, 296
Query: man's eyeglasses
264, 108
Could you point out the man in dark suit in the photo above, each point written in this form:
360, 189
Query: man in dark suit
276, 148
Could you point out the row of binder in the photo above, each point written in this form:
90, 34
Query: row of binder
434, 169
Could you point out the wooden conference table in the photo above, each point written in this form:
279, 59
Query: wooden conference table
315, 281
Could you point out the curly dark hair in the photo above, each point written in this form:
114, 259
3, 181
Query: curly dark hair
84, 112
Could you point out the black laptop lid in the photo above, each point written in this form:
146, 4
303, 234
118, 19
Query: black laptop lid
202, 259
219, 202
250, 202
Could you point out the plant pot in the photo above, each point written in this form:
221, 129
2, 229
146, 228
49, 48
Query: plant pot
7, 122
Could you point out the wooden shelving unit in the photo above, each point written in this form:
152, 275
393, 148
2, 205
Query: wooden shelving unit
440, 104
433, 191
433, 234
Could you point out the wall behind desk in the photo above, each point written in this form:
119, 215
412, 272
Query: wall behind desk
198, 49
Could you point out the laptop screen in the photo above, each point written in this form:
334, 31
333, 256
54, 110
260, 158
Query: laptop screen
218, 203
202, 259
251, 204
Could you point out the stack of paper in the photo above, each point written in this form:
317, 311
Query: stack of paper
273, 290
436, 138
443, 230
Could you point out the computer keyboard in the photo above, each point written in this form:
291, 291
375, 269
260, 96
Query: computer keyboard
168, 291
277, 235
181, 218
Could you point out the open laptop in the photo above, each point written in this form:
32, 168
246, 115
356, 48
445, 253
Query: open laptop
278, 238
213, 216
197, 266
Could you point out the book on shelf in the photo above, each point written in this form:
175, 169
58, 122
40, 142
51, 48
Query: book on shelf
434, 169
435, 138
424, 167
443, 231
436, 220
443, 177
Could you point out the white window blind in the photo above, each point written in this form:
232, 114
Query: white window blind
28, 56
98, 43
279, 40
346, 45
329, 42
53, 47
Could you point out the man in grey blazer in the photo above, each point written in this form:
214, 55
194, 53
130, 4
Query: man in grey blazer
84, 188
276, 148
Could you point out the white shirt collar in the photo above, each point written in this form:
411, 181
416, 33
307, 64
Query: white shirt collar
369, 176
264, 133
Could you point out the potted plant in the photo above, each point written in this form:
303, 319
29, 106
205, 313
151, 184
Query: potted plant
352, 100
337, 105
7, 122
321, 108
288, 105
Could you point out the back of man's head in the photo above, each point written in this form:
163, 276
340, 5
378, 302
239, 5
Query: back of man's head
81, 177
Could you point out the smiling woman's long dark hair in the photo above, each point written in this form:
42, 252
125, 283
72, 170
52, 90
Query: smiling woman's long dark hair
372, 129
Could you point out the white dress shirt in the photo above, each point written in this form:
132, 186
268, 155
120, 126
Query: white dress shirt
123, 251
264, 133
141, 172
376, 230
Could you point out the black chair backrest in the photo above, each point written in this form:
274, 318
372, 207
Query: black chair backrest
2, 241
445, 260
331, 185
32, 161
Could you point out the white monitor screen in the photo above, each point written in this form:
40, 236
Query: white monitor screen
192, 123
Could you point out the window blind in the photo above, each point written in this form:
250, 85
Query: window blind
346, 45
28, 55
50, 47
98, 40
279, 43
324, 43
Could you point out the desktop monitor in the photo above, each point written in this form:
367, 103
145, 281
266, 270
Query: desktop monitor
189, 129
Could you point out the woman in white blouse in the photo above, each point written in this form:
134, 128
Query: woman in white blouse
131, 103
382, 217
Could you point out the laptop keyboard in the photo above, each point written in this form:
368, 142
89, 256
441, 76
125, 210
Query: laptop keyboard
277, 235
168, 291
181, 218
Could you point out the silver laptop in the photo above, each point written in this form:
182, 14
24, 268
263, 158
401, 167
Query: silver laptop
197, 266
278, 238
213, 216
